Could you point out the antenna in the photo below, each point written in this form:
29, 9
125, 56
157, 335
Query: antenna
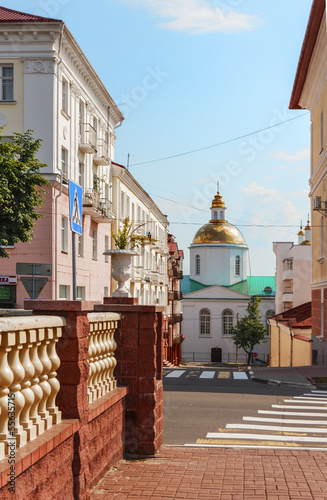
128, 156
217, 186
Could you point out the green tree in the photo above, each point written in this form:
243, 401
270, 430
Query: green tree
249, 331
20, 193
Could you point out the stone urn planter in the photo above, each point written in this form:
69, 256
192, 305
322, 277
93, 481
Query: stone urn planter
121, 263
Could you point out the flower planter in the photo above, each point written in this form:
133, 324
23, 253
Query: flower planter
121, 263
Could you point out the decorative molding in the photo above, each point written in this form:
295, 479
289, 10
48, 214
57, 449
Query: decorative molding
39, 66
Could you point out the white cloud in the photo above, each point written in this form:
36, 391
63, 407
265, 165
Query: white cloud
197, 16
293, 157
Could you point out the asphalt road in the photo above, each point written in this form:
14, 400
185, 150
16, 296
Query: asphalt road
194, 406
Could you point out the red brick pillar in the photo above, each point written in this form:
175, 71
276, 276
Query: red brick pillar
139, 357
72, 350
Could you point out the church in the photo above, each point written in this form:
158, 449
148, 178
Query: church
217, 291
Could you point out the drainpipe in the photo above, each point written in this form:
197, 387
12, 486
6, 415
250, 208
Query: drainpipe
278, 342
57, 165
291, 354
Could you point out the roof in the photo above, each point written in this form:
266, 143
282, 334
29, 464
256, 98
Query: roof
309, 42
255, 285
298, 317
14, 16
172, 247
188, 285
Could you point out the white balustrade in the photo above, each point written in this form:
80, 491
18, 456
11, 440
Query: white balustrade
102, 348
28, 383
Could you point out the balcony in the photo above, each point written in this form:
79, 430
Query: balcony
287, 274
137, 274
88, 138
288, 297
176, 318
101, 157
98, 208
175, 273
175, 296
155, 277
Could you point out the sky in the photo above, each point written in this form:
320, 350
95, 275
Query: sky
204, 86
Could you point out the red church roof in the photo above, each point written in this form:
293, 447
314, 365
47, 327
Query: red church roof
14, 16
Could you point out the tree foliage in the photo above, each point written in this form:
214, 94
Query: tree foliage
249, 331
20, 195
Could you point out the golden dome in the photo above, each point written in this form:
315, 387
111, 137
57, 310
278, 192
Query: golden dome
300, 233
219, 233
308, 225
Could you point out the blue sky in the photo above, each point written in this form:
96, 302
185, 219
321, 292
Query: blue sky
189, 74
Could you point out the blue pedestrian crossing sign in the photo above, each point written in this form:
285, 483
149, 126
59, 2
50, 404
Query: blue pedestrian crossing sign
75, 207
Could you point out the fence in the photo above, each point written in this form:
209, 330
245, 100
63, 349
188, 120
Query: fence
227, 357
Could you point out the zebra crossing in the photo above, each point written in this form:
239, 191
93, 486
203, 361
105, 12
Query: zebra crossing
297, 423
206, 374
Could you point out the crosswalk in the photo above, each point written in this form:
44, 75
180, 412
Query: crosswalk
297, 423
206, 374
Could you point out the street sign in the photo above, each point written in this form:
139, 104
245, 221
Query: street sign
75, 207
26, 268
33, 286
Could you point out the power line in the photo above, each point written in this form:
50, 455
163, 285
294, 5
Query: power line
219, 143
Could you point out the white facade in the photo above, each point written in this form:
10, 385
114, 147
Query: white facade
293, 274
149, 281
223, 307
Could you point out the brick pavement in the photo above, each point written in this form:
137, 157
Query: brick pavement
218, 474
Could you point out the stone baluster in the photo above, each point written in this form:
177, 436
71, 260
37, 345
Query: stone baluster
92, 368
26, 390
107, 358
53, 337
6, 379
15, 390
44, 384
96, 364
102, 359
36, 388
113, 327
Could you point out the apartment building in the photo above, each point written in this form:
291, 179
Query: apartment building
48, 85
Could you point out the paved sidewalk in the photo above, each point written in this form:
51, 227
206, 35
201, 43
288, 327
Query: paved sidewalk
218, 474
294, 376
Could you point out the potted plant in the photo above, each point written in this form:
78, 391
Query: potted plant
126, 240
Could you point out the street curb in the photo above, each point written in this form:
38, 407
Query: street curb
278, 383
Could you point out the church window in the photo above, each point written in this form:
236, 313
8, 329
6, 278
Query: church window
197, 264
215, 215
221, 215
237, 265
227, 322
205, 322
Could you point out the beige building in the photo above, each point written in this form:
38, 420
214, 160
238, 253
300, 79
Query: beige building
310, 92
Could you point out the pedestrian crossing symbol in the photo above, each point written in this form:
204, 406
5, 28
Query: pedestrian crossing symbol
75, 207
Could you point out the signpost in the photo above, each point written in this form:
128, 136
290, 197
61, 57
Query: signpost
75, 212
33, 285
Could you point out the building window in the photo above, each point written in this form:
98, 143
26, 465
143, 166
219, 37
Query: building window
64, 163
64, 234
106, 247
288, 264
80, 245
7, 83
106, 291
64, 95
227, 322
322, 237
221, 215
95, 244
205, 322
81, 174
197, 264
64, 292
80, 292
122, 206
237, 265
215, 215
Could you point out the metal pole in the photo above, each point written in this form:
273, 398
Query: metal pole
74, 264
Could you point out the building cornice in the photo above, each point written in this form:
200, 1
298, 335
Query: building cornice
309, 42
